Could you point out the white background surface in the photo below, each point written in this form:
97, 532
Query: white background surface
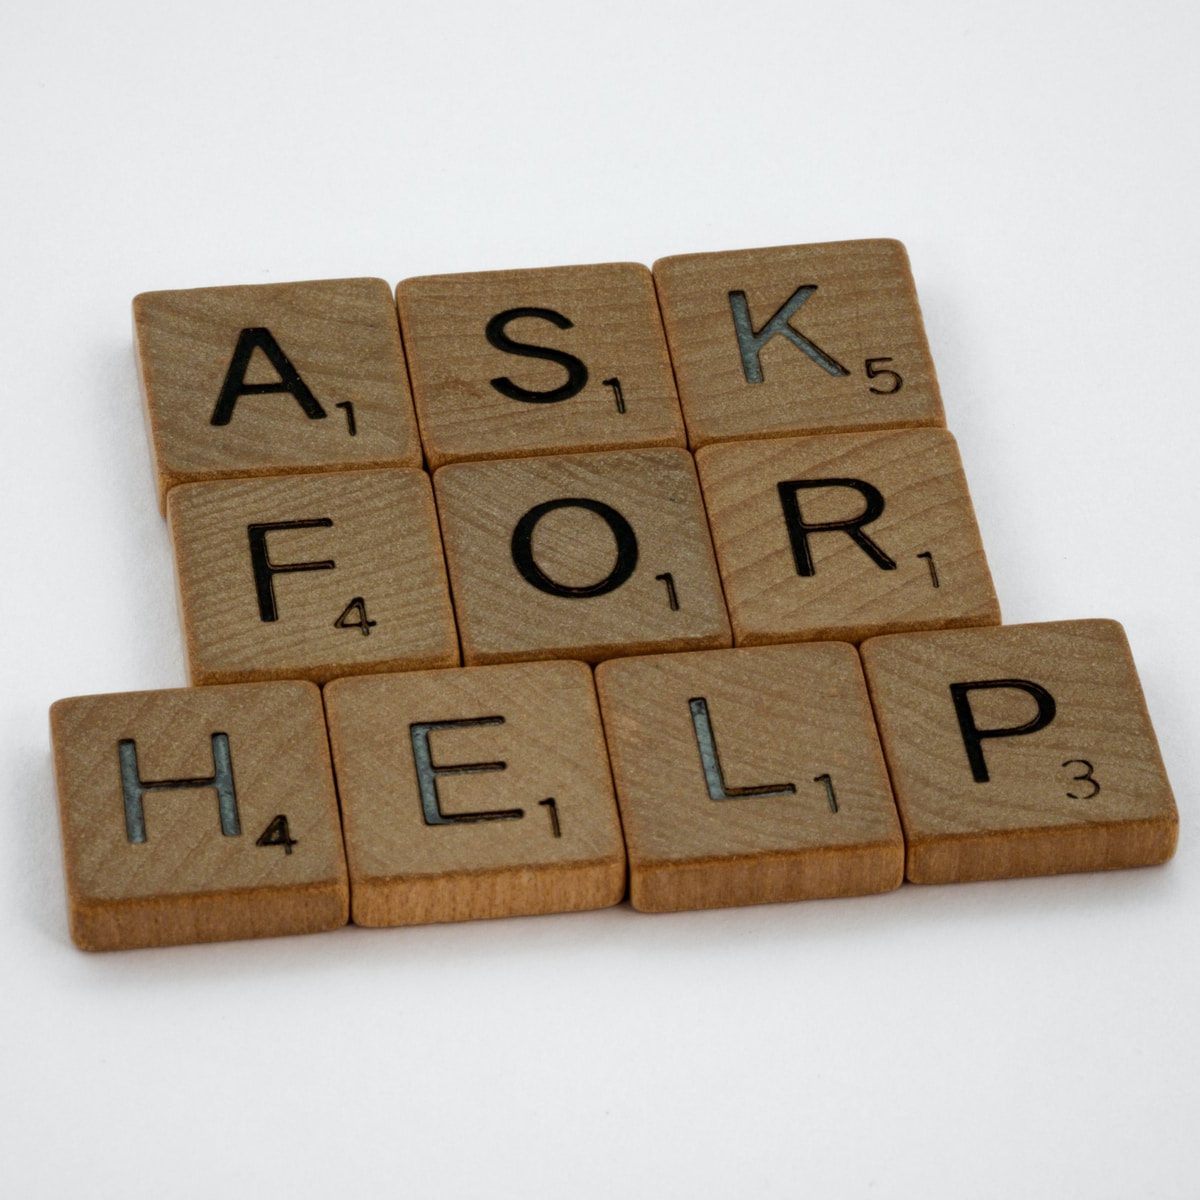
1015, 1039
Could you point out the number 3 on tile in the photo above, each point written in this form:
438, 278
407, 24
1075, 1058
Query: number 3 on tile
354, 616
1084, 777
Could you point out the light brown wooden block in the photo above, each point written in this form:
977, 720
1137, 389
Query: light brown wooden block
198, 815
747, 776
311, 576
269, 379
797, 339
906, 553
580, 556
1025, 750
482, 792
510, 363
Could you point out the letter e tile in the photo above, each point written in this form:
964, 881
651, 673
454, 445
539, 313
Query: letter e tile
482, 792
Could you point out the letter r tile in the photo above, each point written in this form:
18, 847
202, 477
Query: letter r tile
845, 536
311, 576
198, 815
749, 775
270, 379
797, 340
482, 792
1023, 750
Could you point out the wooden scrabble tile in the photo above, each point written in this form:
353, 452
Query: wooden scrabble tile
311, 576
797, 339
198, 815
269, 379
845, 536
1025, 750
511, 363
580, 556
750, 775
482, 792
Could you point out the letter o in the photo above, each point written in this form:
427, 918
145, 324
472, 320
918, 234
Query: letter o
622, 531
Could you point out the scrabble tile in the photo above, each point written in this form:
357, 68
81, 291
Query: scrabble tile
269, 379
580, 556
510, 363
845, 536
797, 339
198, 815
482, 792
1025, 750
750, 775
311, 576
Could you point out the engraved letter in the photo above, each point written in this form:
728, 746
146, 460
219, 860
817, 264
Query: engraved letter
751, 341
428, 772
710, 761
577, 375
134, 789
798, 529
622, 531
235, 384
973, 736
265, 570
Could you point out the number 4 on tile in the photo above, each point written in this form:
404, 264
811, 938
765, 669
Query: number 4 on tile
354, 616
277, 834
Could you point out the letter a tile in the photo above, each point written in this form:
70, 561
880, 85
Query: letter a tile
845, 536
796, 340
1024, 750
580, 556
748, 776
510, 363
482, 792
311, 576
198, 815
274, 378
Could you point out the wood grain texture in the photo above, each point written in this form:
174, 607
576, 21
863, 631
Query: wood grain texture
380, 532
340, 335
863, 310
1023, 819
535, 736
786, 718
503, 617
612, 328
190, 880
850, 595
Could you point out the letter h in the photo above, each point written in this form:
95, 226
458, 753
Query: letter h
134, 788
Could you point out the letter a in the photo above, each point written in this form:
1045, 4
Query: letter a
235, 384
